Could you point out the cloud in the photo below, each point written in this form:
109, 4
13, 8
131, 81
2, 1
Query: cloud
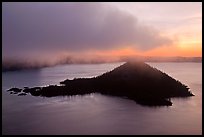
38, 28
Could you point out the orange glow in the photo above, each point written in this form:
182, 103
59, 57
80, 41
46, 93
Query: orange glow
182, 50
187, 50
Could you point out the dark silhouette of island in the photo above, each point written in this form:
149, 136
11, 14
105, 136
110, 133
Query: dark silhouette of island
134, 80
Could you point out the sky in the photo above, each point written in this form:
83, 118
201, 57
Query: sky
47, 31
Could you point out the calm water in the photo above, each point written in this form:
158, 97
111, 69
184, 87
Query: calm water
95, 113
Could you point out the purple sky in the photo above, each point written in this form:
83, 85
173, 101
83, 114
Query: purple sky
37, 29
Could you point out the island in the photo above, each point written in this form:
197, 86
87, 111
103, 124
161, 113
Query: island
134, 80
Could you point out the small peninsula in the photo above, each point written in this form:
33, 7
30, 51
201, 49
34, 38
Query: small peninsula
133, 80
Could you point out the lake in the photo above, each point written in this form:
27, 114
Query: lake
95, 113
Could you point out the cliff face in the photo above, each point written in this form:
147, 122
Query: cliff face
134, 80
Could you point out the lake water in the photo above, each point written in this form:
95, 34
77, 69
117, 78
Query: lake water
96, 113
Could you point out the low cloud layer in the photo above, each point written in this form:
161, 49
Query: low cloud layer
38, 28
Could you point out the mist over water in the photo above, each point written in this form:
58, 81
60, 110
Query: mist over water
96, 113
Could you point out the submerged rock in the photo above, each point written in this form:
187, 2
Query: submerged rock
134, 80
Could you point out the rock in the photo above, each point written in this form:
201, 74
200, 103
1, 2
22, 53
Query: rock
26, 90
22, 94
13, 92
29, 90
15, 89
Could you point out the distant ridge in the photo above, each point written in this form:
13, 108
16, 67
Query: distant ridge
16, 65
161, 59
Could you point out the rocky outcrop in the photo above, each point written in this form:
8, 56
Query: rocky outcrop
15, 90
